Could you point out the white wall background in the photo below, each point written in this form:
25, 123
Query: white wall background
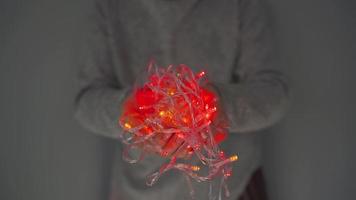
45, 155
311, 154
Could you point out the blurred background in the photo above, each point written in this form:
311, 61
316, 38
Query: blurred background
44, 154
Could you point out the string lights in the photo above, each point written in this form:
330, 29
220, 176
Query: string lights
175, 115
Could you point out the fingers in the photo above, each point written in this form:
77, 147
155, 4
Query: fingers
172, 145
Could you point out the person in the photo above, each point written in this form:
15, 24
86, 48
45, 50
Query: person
230, 40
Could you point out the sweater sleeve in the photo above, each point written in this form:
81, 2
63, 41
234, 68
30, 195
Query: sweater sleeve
100, 95
258, 96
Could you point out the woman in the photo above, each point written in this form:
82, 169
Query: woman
229, 38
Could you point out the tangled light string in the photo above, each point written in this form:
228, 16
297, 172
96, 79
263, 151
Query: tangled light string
175, 115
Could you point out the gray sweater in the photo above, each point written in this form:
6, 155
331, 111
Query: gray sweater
227, 38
